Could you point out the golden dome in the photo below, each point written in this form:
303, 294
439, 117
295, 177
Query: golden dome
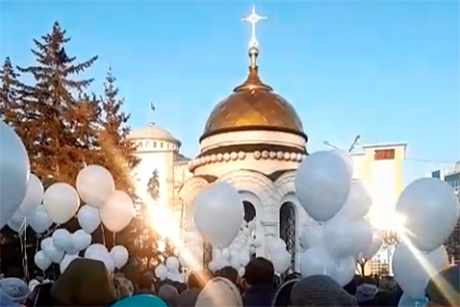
253, 106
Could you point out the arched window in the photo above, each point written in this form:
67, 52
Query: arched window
207, 252
249, 215
249, 211
288, 230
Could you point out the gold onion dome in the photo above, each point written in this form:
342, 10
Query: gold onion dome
253, 106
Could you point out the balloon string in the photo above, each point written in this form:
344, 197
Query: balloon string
103, 235
25, 259
114, 238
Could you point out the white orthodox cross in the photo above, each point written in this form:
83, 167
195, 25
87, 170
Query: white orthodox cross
253, 19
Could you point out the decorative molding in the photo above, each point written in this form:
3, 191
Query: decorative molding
234, 156
252, 137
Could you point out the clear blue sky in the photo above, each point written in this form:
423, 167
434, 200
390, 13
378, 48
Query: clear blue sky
388, 70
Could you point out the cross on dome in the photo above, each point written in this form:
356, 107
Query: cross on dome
253, 19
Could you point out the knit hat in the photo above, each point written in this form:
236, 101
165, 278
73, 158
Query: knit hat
320, 291
443, 288
85, 282
219, 292
14, 290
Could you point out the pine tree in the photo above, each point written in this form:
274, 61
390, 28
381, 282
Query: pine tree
117, 150
9, 93
59, 125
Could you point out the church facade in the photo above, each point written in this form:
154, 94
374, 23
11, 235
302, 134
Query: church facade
254, 140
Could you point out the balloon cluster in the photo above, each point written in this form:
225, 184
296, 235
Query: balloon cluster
338, 204
428, 209
115, 209
238, 254
24, 202
170, 270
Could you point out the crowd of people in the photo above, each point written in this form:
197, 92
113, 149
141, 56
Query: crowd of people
87, 283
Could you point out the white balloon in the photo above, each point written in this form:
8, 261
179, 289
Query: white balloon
281, 261
358, 202
39, 220
51, 251
374, 246
95, 185
14, 172
17, 222
317, 261
95, 249
161, 272
219, 213
212, 265
89, 218
241, 271
244, 258
34, 195
345, 270
61, 202
62, 239
118, 211
430, 210
322, 184
42, 261
339, 238
413, 268
362, 235
172, 263
276, 245
66, 261
312, 236
345, 155
119, 255
99, 252
81, 240
252, 226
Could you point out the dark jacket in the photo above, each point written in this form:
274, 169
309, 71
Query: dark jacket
258, 296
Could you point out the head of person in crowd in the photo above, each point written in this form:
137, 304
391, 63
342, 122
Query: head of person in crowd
320, 291
366, 291
188, 298
387, 284
230, 273
123, 286
259, 276
443, 289
219, 292
41, 296
259, 271
13, 291
181, 287
282, 296
169, 295
145, 284
198, 279
85, 282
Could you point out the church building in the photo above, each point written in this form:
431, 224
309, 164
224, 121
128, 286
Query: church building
253, 139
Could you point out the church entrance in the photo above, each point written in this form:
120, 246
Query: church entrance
288, 231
